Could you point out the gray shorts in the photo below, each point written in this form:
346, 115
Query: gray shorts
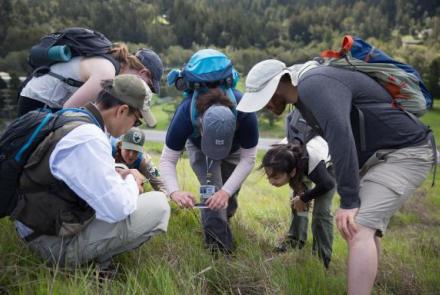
388, 179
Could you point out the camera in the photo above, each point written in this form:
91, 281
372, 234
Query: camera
206, 191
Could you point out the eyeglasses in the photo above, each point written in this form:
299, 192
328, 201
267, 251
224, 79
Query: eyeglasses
138, 121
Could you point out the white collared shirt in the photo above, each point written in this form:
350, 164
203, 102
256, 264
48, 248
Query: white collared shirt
83, 161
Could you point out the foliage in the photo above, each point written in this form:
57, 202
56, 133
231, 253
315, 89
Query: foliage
248, 30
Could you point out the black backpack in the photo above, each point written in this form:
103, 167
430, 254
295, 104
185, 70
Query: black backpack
17, 143
80, 41
297, 129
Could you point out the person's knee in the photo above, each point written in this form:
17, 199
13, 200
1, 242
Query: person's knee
363, 236
154, 210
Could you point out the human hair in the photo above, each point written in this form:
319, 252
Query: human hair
106, 100
120, 52
286, 78
210, 97
283, 158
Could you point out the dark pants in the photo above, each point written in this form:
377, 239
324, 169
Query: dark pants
217, 232
26, 104
322, 227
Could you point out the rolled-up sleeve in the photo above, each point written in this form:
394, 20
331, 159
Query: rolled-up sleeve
83, 161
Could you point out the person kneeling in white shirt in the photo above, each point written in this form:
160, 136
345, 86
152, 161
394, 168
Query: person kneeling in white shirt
95, 213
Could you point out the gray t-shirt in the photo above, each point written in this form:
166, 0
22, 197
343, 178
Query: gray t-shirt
326, 99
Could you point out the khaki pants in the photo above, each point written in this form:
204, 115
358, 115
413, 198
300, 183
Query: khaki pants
100, 241
388, 179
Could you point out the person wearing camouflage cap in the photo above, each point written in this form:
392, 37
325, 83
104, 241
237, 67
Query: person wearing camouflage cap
129, 150
102, 212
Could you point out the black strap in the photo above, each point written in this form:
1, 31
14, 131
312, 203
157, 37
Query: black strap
434, 151
362, 129
32, 236
68, 81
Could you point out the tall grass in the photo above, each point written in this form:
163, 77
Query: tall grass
177, 263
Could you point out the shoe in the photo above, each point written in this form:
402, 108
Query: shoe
107, 270
285, 244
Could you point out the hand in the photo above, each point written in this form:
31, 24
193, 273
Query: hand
123, 172
218, 201
298, 204
345, 222
183, 199
140, 179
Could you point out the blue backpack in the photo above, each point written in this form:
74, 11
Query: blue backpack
402, 81
207, 68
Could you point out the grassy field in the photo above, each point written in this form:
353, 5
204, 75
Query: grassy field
177, 263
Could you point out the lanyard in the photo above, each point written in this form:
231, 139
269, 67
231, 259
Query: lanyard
209, 163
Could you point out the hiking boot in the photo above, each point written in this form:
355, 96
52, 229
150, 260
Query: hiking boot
107, 270
285, 244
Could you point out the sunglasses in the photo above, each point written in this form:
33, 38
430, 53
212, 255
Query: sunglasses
138, 121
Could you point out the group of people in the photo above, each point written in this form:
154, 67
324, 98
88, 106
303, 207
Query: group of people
82, 193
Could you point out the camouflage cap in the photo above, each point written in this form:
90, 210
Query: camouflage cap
133, 140
133, 91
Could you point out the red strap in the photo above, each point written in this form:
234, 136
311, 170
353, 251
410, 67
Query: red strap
330, 54
347, 43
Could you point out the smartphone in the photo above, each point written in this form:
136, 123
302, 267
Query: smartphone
200, 206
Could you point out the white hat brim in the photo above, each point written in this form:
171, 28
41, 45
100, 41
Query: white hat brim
149, 118
255, 101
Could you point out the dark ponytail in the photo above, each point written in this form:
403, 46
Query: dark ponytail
283, 158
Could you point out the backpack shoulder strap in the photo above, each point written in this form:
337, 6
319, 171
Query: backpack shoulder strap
195, 115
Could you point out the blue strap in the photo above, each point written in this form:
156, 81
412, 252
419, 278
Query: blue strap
194, 114
32, 138
44, 122
231, 96
80, 110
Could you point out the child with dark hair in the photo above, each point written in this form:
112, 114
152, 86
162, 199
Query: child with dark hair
299, 166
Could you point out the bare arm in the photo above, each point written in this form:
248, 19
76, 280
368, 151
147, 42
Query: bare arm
92, 71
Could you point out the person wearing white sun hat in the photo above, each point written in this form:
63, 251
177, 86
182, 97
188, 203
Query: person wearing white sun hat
381, 154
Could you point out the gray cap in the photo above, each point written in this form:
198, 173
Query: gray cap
133, 140
218, 128
152, 62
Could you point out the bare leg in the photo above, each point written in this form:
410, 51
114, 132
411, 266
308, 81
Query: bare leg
362, 262
377, 241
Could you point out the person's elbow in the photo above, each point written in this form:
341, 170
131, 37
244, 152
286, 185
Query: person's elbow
328, 185
249, 156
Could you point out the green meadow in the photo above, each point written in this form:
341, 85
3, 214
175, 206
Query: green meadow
177, 263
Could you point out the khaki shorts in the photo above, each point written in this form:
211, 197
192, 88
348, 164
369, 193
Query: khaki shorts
388, 179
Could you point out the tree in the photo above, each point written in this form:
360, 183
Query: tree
434, 78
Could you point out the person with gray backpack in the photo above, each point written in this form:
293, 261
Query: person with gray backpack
380, 152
